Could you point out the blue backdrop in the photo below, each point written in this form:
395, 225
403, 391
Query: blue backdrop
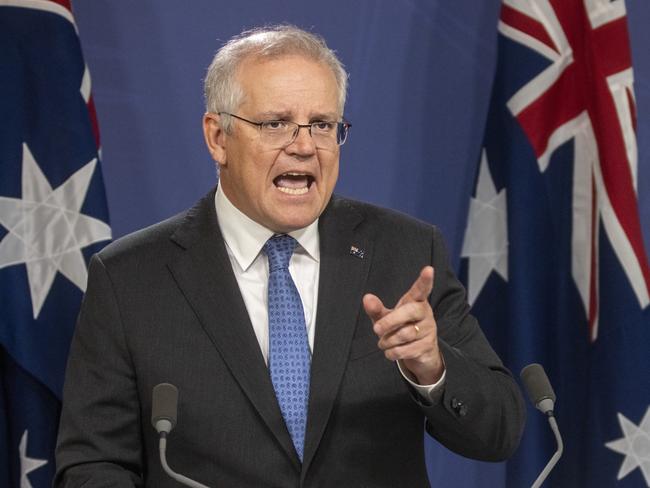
420, 80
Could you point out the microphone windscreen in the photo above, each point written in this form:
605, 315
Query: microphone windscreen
537, 384
164, 403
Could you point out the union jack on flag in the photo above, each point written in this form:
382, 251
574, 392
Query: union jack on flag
553, 256
53, 216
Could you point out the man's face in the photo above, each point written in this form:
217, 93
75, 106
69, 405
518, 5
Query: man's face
286, 188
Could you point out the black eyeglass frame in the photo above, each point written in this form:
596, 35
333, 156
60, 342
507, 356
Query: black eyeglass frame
342, 128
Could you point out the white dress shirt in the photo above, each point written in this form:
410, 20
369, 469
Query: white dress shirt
244, 240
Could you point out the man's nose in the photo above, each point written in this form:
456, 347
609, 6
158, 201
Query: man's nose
303, 142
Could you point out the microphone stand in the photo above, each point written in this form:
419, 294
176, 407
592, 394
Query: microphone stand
556, 456
164, 406
162, 447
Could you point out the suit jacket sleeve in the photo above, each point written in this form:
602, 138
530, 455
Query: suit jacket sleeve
100, 431
481, 413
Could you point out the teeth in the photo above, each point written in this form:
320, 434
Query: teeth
293, 191
294, 174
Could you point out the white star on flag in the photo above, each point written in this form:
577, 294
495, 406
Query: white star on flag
47, 230
635, 444
486, 236
27, 464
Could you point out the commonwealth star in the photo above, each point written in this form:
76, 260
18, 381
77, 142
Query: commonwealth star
635, 445
27, 464
47, 230
486, 236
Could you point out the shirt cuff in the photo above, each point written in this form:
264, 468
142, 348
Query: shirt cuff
429, 393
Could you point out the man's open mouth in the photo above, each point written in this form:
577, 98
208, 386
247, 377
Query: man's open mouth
293, 183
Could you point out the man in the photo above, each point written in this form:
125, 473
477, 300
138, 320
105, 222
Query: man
303, 377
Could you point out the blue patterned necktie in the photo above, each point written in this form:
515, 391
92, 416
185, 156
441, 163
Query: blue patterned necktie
289, 356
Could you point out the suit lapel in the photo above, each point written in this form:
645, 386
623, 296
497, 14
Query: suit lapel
345, 260
204, 274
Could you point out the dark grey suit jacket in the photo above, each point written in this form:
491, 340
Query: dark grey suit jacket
163, 305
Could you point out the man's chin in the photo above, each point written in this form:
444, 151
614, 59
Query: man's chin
289, 214
291, 219
284, 227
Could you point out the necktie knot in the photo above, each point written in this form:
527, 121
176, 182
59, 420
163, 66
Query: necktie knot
279, 249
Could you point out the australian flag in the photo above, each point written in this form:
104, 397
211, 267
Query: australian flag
553, 255
53, 215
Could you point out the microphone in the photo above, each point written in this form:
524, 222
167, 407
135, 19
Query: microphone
164, 407
539, 388
541, 395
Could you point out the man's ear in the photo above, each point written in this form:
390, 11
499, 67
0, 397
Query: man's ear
215, 137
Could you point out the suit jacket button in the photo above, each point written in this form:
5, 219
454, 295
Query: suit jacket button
458, 406
462, 410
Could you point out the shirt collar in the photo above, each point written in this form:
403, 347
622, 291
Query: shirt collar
245, 237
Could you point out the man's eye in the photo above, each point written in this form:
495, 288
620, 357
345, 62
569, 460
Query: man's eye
324, 126
274, 125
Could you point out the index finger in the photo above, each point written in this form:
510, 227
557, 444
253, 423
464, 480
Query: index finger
421, 288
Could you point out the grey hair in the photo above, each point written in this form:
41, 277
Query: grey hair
221, 90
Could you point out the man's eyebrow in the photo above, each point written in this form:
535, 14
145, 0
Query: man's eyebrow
271, 115
287, 115
324, 116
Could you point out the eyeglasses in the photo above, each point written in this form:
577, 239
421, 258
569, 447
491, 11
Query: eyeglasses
281, 133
